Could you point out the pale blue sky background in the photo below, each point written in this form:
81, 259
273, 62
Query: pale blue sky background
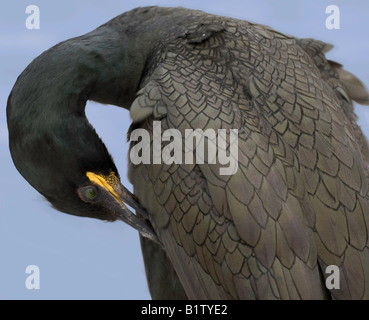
87, 259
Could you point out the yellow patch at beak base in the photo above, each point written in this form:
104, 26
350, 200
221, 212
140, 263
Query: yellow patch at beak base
106, 182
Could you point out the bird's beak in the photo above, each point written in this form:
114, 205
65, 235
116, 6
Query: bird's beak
123, 196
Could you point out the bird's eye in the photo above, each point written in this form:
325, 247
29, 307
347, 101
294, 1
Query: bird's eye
90, 193
87, 193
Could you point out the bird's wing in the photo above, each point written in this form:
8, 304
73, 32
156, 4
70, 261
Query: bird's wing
299, 199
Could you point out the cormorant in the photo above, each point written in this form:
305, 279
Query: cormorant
299, 200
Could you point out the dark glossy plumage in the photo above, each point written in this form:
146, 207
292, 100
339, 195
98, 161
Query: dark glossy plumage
299, 200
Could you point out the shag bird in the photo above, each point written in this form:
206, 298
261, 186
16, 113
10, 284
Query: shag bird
298, 201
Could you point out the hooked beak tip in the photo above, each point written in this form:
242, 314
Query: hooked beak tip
124, 196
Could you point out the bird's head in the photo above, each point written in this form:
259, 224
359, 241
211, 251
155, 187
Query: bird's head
52, 143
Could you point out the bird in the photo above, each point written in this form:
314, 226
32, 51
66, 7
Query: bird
298, 201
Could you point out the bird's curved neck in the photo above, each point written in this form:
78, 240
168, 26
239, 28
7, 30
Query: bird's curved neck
46, 107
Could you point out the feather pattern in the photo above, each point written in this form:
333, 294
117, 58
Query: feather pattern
299, 200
